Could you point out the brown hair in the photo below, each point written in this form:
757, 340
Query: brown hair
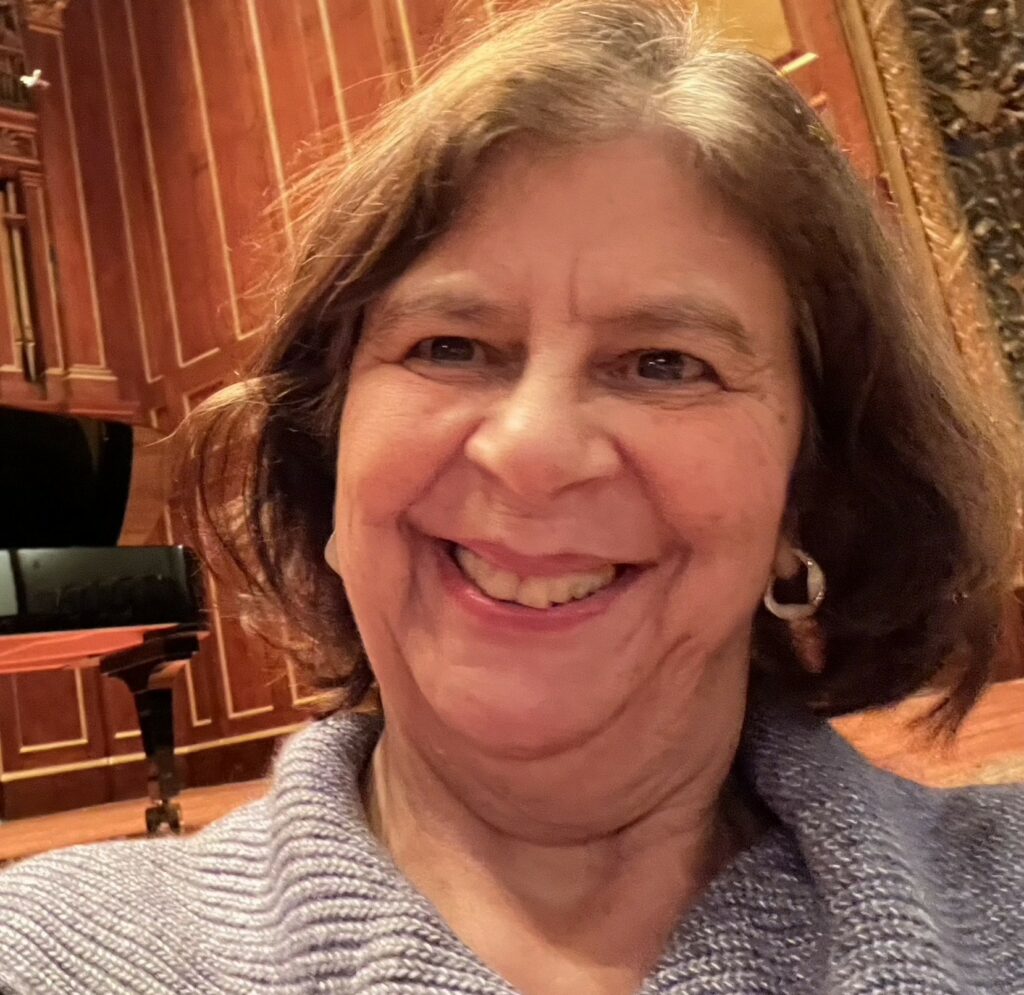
905, 491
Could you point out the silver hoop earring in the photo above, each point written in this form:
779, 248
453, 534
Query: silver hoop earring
815, 592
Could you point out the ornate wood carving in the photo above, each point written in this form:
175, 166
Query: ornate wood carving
12, 57
971, 54
18, 145
10, 29
46, 14
919, 170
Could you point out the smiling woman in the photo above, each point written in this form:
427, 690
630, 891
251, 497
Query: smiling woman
902, 488
627, 361
595, 370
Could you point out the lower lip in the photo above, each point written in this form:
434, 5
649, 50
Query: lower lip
519, 618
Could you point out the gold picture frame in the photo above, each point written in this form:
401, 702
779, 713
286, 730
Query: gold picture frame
912, 155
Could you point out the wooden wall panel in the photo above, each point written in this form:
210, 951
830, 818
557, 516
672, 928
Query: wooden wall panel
49, 710
367, 58
50, 719
244, 669
182, 177
432, 25
242, 148
196, 690
121, 724
286, 86
10, 361
48, 312
322, 66
303, 95
116, 295
116, 89
83, 344
760, 25
425, 23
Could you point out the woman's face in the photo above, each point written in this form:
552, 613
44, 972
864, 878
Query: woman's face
565, 453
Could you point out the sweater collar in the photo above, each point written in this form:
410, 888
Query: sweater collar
838, 890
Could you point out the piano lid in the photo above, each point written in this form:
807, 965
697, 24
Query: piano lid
60, 605
64, 481
68, 493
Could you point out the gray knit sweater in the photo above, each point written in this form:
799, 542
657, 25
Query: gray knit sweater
869, 884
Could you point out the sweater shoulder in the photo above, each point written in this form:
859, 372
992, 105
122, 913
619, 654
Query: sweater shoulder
982, 827
117, 917
968, 846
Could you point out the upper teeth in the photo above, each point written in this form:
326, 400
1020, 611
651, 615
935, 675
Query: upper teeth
534, 592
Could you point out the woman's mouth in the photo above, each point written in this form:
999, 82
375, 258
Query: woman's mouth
518, 594
532, 591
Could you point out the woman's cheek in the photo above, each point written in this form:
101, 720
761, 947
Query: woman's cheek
723, 478
394, 438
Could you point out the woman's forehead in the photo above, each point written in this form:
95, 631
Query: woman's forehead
621, 229
627, 175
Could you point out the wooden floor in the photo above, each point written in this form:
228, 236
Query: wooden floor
988, 750
118, 820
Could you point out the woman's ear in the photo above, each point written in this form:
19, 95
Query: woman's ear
329, 555
808, 640
786, 563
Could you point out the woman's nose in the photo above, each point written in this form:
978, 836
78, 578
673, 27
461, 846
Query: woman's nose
538, 440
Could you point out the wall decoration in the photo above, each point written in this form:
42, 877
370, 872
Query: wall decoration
971, 54
938, 104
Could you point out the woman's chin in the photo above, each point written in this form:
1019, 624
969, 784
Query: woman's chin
517, 723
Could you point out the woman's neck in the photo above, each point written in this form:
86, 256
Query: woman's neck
594, 910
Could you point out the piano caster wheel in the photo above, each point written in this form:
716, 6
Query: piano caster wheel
164, 813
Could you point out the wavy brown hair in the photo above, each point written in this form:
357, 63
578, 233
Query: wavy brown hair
905, 491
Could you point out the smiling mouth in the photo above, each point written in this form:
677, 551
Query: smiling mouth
548, 593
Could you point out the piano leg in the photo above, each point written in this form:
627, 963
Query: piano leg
148, 670
155, 708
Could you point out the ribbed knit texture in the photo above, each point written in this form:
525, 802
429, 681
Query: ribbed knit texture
870, 885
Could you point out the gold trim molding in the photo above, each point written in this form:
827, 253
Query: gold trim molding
116, 760
46, 14
911, 150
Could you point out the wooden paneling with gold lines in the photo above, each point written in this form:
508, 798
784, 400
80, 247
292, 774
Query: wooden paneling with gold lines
240, 144
153, 311
49, 717
83, 339
366, 53
170, 104
107, 258
10, 361
299, 80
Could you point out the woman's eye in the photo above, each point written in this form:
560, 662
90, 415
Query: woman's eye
668, 365
449, 350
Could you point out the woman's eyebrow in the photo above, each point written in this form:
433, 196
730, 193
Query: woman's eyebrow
644, 314
680, 312
446, 303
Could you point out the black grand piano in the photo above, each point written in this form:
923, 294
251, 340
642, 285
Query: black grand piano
70, 595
